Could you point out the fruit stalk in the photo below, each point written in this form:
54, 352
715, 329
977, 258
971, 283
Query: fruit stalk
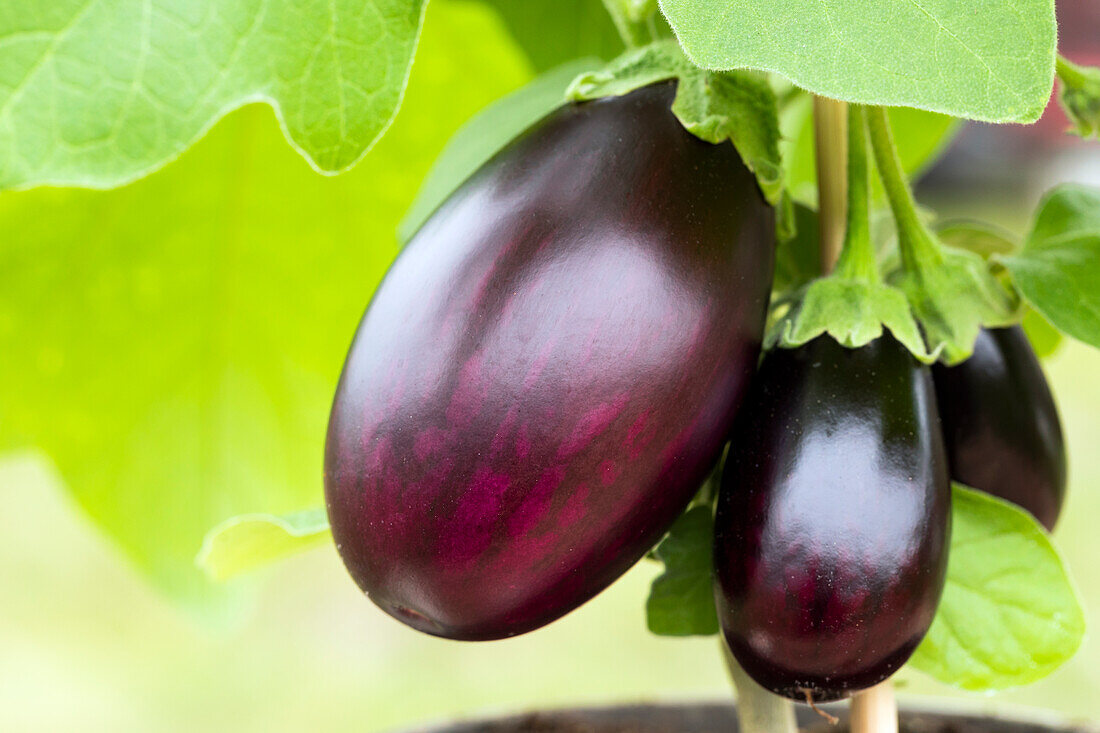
758, 710
831, 158
874, 710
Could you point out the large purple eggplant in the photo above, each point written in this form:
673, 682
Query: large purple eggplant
1001, 424
832, 526
549, 370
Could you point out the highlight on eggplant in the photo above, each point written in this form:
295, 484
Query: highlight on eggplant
549, 370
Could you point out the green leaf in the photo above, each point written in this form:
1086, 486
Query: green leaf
1058, 269
735, 106
979, 237
988, 60
97, 93
174, 345
681, 600
552, 32
486, 133
244, 543
1045, 339
851, 311
1080, 96
1009, 613
921, 138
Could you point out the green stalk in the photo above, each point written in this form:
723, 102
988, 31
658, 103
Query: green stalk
758, 710
831, 158
857, 257
1069, 72
632, 21
915, 241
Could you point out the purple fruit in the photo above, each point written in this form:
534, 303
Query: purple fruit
1001, 425
549, 370
832, 526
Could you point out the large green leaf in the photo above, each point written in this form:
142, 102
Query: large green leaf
552, 32
1058, 269
174, 345
250, 541
99, 92
1009, 613
983, 59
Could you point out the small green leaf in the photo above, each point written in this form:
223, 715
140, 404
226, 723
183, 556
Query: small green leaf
735, 106
852, 312
1080, 96
1045, 339
991, 60
681, 600
247, 542
97, 93
1009, 614
1058, 269
486, 133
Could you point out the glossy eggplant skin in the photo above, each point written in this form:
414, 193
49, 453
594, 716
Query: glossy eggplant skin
549, 370
1001, 425
833, 518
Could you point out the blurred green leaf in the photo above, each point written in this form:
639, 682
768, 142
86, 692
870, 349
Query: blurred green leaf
1044, 338
681, 600
487, 132
1058, 269
1009, 614
97, 93
247, 542
993, 61
552, 32
174, 345
977, 236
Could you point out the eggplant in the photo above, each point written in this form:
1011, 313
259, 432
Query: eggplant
549, 370
1001, 424
833, 519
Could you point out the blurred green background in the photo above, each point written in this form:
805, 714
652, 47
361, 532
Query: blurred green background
168, 353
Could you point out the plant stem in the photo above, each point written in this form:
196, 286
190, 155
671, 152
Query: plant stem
758, 710
857, 258
632, 24
916, 243
831, 157
874, 710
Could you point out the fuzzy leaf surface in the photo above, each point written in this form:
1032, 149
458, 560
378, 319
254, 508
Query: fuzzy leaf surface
989, 60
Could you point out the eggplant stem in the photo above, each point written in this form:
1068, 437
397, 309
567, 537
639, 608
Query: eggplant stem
758, 710
831, 158
874, 710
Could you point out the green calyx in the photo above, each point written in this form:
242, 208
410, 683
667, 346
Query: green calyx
1080, 96
735, 106
953, 293
851, 304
